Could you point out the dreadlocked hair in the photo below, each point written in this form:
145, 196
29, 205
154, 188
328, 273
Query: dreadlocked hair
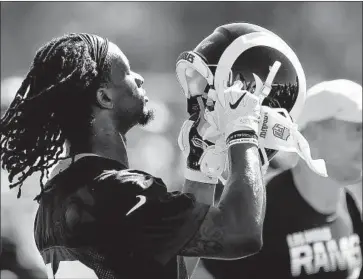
49, 107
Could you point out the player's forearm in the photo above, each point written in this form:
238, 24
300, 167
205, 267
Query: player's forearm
233, 229
242, 204
203, 192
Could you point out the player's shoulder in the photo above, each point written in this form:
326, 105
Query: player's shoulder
106, 180
83, 168
127, 178
133, 184
105, 175
71, 174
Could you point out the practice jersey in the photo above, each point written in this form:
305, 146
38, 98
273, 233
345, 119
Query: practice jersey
97, 219
299, 242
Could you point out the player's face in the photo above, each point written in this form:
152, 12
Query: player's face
339, 143
129, 97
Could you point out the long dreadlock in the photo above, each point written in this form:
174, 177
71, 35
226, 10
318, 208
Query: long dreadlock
49, 107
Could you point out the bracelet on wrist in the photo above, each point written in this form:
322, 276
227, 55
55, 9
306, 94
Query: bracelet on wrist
238, 137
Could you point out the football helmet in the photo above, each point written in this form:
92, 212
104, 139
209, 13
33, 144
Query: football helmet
250, 53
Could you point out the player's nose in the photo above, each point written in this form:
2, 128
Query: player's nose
138, 79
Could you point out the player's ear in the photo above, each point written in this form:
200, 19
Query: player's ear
104, 98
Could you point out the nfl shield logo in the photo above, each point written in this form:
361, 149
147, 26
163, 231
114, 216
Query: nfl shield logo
281, 132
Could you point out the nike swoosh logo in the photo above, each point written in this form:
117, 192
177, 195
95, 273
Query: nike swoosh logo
235, 105
139, 204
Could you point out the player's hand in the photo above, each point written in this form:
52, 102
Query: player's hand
236, 115
205, 162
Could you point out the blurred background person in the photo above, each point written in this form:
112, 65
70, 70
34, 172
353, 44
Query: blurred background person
313, 224
317, 31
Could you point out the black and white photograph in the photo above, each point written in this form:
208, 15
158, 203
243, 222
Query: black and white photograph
181, 140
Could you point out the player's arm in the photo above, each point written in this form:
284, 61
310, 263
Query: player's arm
249, 267
233, 229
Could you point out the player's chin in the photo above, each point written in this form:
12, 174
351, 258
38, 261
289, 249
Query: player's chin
146, 117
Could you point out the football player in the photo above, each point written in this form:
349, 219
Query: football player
98, 218
313, 224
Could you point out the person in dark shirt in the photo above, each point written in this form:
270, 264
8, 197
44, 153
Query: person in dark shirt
313, 225
97, 217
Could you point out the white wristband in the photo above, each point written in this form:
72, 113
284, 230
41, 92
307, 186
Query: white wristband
243, 140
